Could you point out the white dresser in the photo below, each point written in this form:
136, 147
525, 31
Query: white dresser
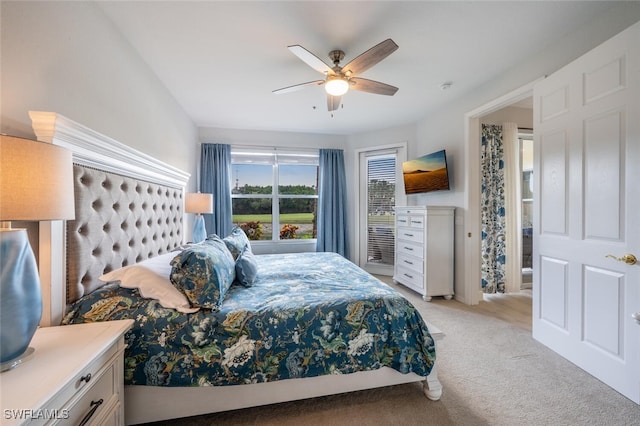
75, 376
424, 250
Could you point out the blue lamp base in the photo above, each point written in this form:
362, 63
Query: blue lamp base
199, 231
20, 298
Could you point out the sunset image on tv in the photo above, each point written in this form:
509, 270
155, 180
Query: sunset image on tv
427, 173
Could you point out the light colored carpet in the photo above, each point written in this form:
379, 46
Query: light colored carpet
493, 373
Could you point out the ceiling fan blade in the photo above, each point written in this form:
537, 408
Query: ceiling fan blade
333, 102
310, 59
298, 86
371, 57
371, 86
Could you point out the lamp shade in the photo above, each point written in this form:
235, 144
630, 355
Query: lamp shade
36, 181
197, 202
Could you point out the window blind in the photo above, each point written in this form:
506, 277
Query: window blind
273, 156
381, 190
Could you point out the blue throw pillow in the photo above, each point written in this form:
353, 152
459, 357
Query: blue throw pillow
236, 241
204, 272
246, 268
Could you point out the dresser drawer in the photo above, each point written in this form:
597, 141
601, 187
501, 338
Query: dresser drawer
411, 279
414, 263
407, 248
95, 375
97, 399
408, 234
416, 222
402, 220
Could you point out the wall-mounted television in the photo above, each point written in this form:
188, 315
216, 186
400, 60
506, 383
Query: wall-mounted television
427, 173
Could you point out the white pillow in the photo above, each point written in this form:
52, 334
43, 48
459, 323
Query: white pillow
151, 278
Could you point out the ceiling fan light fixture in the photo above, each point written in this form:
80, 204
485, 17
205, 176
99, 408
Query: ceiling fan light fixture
336, 86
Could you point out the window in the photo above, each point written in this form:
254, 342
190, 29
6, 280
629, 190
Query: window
274, 193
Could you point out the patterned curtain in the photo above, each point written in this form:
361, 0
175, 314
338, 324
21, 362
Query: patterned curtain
513, 207
332, 203
492, 201
215, 166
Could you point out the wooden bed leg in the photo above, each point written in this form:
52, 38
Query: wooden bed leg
431, 386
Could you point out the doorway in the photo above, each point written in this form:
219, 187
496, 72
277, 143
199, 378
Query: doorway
509, 295
471, 293
506, 166
379, 190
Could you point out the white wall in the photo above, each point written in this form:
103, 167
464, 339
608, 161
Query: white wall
523, 117
68, 58
445, 128
268, 138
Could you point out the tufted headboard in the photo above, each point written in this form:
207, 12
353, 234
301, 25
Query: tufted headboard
129, 206
119, 221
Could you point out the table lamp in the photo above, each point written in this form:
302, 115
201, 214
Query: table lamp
199, 203
36, 183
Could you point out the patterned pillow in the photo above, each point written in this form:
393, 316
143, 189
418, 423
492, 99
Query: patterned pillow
236, 241
246, 268
204, 272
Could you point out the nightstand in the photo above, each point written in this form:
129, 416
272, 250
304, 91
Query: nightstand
75, 374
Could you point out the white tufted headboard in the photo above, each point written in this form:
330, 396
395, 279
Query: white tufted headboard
119, 221
129, 206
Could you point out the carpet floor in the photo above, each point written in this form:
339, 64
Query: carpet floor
492, 372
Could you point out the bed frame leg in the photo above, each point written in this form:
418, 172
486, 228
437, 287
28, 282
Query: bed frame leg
431, 386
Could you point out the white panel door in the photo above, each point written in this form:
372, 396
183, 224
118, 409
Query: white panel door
587, 212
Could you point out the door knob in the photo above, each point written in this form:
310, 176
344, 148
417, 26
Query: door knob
636, 316
628, 258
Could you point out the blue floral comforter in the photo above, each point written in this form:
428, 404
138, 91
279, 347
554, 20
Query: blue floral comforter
307, 314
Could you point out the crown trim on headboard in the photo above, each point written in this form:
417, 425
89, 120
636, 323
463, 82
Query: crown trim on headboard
94, 149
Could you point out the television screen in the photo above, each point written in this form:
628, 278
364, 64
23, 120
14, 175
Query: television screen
427, 173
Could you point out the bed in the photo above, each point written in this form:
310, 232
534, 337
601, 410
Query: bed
285, 327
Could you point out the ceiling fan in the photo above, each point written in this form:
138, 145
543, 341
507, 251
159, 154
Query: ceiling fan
339, 79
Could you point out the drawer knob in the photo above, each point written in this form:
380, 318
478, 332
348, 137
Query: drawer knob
85, 378
94, 406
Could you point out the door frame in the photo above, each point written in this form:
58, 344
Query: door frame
472, 294
402, 148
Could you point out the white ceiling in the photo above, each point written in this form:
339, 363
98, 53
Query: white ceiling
221, 60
